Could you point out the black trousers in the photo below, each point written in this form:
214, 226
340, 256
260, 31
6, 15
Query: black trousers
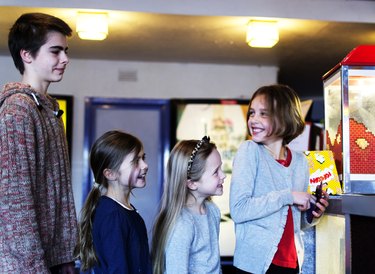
274, 269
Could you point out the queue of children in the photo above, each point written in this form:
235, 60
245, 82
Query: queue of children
113, 236
268, 199
268, 193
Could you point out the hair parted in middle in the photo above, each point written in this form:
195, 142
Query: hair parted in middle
108, 152
186, 162
284, 108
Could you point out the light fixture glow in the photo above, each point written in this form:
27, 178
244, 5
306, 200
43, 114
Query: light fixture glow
262, 34
92, 25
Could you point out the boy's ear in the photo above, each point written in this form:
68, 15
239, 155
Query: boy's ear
109, 174
192, 185
26, 56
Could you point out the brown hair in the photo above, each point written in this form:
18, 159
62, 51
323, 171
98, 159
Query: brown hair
284, 108
108, 151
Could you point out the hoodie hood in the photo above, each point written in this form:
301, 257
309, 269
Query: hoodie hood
44, 100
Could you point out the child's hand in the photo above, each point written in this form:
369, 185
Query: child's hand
321, 205
302, 200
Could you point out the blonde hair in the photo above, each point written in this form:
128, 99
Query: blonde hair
108, 151
176, 192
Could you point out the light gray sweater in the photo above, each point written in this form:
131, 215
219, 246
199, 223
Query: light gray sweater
193, 246
261, 191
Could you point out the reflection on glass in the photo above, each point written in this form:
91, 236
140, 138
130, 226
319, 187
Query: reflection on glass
362, 124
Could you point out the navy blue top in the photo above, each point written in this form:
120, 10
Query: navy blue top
120, 239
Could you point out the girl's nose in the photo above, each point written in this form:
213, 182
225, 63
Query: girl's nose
144, 165
253, 118
223, 175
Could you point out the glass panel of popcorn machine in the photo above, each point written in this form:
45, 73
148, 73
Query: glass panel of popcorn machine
362, 123
333, 118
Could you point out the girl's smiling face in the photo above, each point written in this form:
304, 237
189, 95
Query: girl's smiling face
211, 182
133, 170
259, 122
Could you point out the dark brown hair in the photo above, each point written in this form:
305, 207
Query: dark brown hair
30, 31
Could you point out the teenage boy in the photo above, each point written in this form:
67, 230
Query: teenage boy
38, 228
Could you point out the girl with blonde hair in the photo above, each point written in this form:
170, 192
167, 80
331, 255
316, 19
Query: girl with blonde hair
186, 231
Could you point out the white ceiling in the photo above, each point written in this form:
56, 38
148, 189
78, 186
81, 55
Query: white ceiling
307, 48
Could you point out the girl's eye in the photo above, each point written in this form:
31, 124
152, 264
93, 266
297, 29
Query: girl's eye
251, 113
139, 158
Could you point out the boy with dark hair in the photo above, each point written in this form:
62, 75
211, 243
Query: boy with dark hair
38, 228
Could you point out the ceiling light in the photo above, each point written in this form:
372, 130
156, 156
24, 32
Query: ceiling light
262, 34
92, 25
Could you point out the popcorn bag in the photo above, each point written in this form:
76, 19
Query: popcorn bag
323, 170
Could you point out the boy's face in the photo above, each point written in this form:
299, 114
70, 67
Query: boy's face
50, 61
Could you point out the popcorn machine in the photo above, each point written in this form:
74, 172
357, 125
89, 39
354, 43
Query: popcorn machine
349, 104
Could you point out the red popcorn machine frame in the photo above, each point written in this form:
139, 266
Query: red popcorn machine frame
349, 104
